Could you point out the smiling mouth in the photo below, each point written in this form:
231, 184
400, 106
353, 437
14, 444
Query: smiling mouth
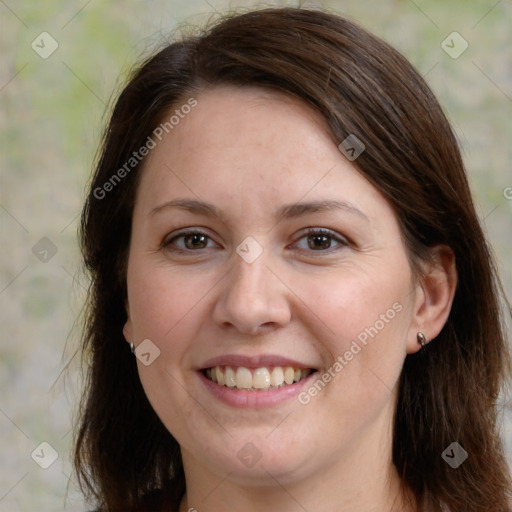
258, 379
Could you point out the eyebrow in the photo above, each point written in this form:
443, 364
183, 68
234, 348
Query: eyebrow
290, 211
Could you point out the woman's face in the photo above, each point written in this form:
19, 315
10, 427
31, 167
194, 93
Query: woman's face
258, 254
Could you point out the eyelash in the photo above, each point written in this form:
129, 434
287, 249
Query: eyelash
342, 241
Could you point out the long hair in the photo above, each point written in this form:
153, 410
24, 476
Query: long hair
361, 86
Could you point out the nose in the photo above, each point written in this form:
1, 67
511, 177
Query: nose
253, 300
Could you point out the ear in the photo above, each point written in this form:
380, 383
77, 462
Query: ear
434, 297
128, 329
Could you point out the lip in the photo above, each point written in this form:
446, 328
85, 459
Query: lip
253, 362
254, 399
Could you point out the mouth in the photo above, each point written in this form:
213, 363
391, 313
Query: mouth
256, 379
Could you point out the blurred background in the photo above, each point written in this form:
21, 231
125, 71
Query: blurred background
61, 63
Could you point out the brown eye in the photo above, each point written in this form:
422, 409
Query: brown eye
320, 240
188, 241
317, 242
195, 241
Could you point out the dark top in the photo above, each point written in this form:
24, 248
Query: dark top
156, 500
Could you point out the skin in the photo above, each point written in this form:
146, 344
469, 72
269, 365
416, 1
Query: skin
250, 152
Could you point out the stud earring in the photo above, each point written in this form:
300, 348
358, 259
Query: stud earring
421, 339
132, 347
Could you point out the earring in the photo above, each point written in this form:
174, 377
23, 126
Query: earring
421, 339
132, 347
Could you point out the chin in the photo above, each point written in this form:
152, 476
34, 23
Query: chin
258, 462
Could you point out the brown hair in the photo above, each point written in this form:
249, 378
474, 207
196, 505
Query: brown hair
362, 86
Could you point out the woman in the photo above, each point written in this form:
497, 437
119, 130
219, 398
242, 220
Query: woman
293, 305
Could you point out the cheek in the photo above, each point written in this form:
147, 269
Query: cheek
365, 339
364, 322
167, 307
163, 299
362, 306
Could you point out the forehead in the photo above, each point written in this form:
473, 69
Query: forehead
227, 120
248, 145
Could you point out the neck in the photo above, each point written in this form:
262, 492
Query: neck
363, 481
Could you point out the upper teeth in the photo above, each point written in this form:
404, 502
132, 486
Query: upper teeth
260, 378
